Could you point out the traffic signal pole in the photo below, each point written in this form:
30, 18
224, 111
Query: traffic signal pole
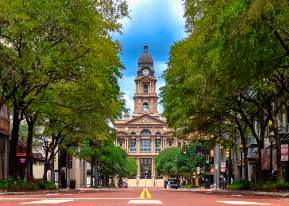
217, 165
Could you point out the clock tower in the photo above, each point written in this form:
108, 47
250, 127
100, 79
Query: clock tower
145, 98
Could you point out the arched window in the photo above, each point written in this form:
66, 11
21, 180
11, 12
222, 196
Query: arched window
145, 142
145, 132
145, 88
132, 142
158, 142
145, 107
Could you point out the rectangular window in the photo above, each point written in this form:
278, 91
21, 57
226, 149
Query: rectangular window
132, 145
145, 145
158, 145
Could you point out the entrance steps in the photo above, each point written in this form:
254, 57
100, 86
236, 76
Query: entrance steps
145, 182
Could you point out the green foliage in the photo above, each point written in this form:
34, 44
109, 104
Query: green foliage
240, 185
23, 185
166, 161
231, 71
131, 167
271, 186
63, 67
186, 186
228, 51
172, 162
48, 185
188, 163
5, 183
112, 160
264, 186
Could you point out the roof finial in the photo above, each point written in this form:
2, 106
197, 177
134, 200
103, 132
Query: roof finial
146, 48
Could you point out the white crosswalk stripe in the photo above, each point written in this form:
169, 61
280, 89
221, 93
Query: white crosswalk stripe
46, 201
145, 202
236, 202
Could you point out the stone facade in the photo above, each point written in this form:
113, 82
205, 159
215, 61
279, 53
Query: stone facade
145, 133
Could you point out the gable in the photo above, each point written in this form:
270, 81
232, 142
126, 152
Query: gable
145, 119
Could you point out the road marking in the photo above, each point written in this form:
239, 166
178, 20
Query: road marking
145, 194
237, 195
145, 202
236, 202
72, 198
46, 201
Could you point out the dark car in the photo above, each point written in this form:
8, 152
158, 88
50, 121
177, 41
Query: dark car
174, 183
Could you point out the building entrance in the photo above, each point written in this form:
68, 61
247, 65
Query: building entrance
145, 168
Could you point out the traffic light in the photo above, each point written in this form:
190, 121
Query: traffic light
228, 152
184, 149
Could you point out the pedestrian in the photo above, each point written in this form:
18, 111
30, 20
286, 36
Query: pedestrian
169, 185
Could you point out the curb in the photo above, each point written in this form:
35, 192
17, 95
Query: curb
90, 190
236, 192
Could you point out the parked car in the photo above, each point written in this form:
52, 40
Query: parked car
174, 183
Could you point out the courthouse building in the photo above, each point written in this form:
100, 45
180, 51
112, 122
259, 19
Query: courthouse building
145, 133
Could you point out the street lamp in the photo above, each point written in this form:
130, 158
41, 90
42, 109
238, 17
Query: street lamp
271, 139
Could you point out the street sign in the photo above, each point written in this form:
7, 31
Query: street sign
284, 152
22, 160
198, 170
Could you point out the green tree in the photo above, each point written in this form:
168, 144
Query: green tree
230, 68
188, 163
39, 48
166, 162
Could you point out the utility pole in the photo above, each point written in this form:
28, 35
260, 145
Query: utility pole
217, 165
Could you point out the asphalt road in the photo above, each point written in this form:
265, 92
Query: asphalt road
140, 197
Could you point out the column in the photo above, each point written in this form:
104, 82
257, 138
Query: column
138, 168
153, 144
165, 143
153, 168
126, 144
137, 144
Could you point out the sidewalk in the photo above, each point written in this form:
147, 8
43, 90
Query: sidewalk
235, 192
78, 190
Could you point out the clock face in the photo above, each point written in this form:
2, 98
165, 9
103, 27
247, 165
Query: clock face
145, 72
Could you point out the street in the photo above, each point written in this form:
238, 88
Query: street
132, 196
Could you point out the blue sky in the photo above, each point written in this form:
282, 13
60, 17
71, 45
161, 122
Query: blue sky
157, 23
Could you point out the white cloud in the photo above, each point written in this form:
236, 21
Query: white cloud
127, 86
159, 67
177, 8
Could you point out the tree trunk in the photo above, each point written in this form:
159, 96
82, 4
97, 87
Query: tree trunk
29, 165
14, 143
244, 145
91, 174
259, 177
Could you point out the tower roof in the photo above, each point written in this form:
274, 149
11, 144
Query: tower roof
145, 58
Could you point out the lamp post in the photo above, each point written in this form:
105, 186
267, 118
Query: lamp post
271, 139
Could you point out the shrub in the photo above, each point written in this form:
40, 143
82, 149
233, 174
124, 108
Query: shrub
187, 186
240, 185
271, 186
19, 185
281, 185
264, 186
49, 185
5, 183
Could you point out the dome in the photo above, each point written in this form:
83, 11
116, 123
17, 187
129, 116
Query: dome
145, 58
